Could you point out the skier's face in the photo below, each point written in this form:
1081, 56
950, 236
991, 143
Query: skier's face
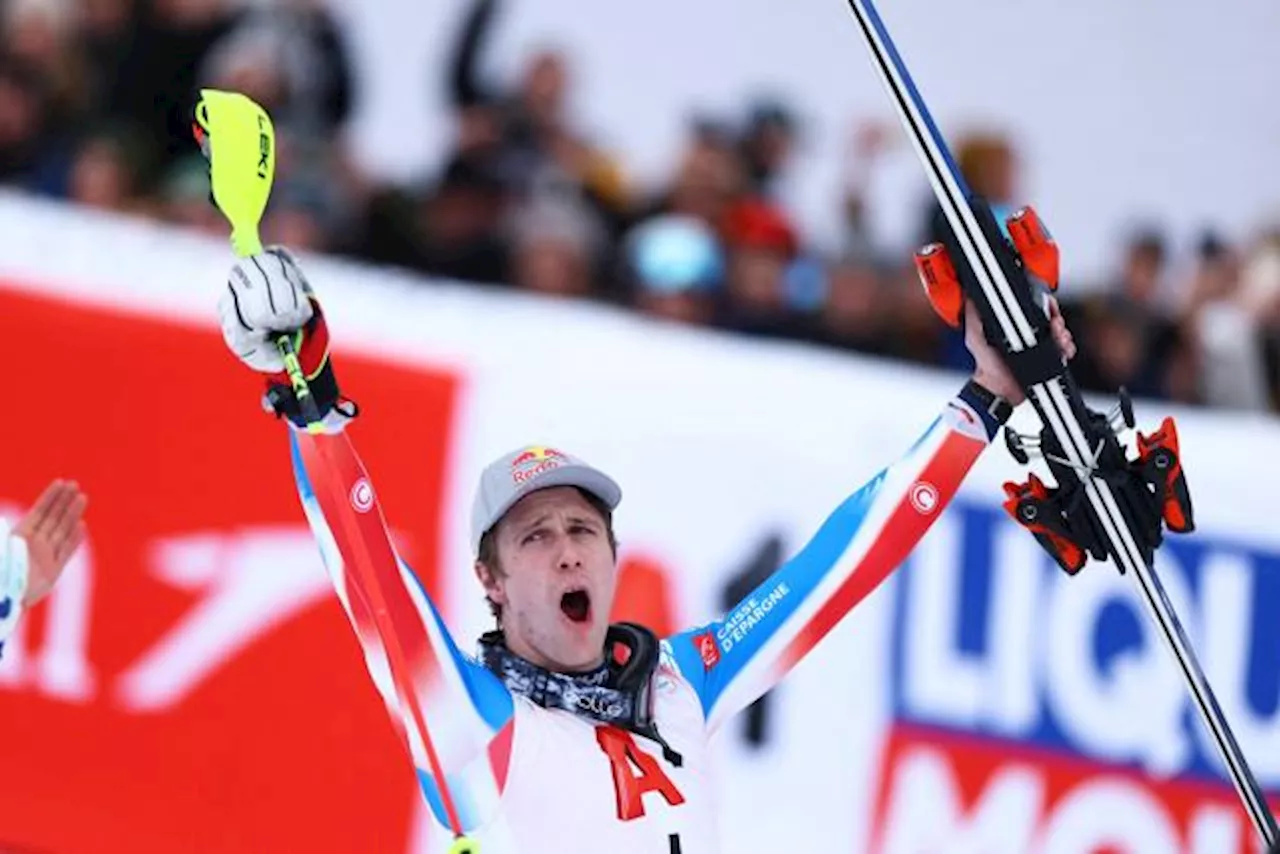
555, 579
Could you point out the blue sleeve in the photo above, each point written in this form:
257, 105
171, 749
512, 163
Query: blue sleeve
733, 661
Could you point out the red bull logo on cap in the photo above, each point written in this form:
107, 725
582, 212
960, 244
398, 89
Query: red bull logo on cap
533, 461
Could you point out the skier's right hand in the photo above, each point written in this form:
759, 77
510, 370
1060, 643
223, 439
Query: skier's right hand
266, 294
267, 297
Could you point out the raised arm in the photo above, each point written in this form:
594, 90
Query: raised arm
466, 711
452, 714
734, 660
466, 88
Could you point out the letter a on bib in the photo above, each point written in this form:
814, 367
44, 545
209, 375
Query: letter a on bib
634, 773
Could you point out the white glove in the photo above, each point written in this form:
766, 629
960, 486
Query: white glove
266, 294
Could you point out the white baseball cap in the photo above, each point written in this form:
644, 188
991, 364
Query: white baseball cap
516, 474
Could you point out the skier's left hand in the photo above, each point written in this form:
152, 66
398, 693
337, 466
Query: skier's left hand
990, 371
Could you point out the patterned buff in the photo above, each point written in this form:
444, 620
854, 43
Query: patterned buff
608, 694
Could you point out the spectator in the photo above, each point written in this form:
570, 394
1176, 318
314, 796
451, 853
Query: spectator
767, 144
24, 119
289, 57
1118, 331
106, 171
301, 215
312, 201
94, 108
39, 35
556, 248
1128, 336
857, 313
1215, 276
989, 164
867, 145
674, 269
107, 37
1142, 273
1182, 371
709, 178
450, 229
1260, 296
918, 335
183, 197
34, 553
528, 138
762, 244
158, 78
1225, 332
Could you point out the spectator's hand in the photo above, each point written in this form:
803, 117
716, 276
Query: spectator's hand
990, 371
870, 139
53, 530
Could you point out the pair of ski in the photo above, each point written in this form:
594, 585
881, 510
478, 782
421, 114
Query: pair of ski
1105, 504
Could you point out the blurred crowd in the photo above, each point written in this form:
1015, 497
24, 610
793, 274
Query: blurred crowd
95, 100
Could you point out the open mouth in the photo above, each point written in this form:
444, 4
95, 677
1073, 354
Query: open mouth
576, 605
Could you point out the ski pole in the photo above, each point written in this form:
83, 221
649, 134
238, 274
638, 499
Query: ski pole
236, 135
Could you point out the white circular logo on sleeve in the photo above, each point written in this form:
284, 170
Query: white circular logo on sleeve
362, 496
924, 497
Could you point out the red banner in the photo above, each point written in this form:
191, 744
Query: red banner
192, 684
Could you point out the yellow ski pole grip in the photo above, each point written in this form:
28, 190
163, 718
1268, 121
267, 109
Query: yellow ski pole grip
238, 139
464, 845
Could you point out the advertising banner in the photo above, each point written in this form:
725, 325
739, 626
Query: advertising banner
192, 684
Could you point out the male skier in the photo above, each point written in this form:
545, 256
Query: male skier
565, 732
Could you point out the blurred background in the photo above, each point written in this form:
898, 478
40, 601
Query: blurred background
697, 196
768, 192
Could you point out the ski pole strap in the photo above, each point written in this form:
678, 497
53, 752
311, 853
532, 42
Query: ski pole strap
307, 389
993, 409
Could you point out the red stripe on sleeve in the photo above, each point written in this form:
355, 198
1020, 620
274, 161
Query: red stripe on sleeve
910, 520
